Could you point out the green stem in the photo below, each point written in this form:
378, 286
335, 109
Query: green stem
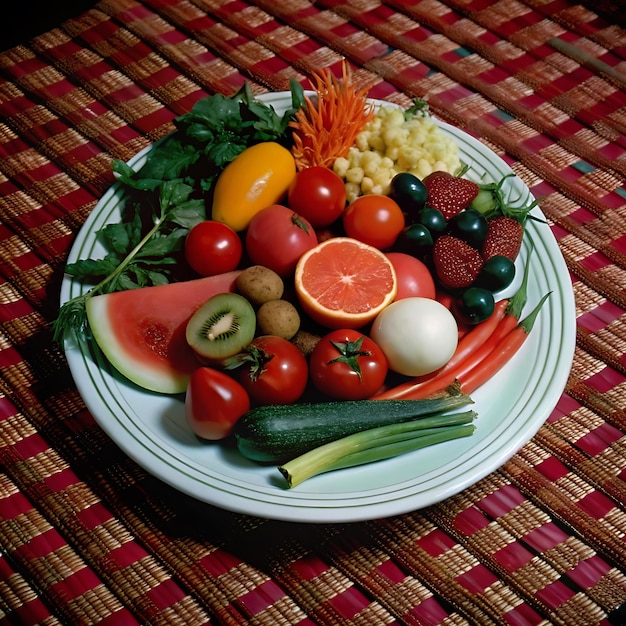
518, 300
371, 444
128, 258
529, 321
72, 313
421, 440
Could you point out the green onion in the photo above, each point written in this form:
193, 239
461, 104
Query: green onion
376, 444
278, 433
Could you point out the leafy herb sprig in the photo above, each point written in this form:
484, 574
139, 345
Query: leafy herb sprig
170, 193
418, 108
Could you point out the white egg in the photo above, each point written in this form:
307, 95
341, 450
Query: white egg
417, 335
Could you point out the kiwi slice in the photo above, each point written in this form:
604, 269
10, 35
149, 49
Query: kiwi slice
221, 327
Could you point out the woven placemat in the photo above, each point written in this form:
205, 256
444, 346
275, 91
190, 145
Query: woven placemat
88, 537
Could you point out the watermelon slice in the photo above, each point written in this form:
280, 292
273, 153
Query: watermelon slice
142, 331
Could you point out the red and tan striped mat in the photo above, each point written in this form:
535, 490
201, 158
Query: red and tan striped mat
89, 537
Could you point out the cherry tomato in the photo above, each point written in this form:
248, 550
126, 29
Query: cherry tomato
347, 365
277, 237
213, 248
318, 194
447, 299
374, 219
444, 297
273, 371
412, 276
214, 403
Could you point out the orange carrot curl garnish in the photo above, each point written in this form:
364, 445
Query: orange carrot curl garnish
325, 130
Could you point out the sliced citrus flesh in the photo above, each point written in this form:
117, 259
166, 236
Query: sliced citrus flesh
344, 283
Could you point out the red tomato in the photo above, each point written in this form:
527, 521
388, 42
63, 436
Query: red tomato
347, 365
213, 403
374, 219
413, 276
274, 371
213, 248
277, 237
445, 298
317, 194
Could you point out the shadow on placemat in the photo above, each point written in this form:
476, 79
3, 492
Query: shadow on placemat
613, 11
34, 17
30, 18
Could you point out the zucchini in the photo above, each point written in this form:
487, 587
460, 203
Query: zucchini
278, 433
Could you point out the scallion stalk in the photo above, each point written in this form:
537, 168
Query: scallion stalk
376, 444
420, 440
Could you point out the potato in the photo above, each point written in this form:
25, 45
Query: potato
278, 317
305, 341
259, 284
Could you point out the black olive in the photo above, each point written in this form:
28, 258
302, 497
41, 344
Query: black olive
474, 305
433, 219
469, 225
419, 235
497, 273
410, 193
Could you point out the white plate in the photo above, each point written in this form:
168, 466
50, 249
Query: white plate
511, 407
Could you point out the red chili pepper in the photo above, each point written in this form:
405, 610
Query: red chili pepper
467, 346
478, 367
502, 354
473, 348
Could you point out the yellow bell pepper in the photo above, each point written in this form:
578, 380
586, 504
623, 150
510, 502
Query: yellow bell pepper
257, 178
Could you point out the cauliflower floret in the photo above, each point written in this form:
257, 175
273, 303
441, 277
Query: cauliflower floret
392, 153
362, 140
382, 180
367, 185
409, 157
355, 175
370, 162
392, 116
340, 166
353, 191
387, 163
377, 143
395, 137
390, 144
417, 136
424, 167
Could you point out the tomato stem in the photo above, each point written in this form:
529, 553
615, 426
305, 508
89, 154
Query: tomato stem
296, 220
349, 353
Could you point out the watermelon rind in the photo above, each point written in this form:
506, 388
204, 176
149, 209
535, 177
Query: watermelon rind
141, 332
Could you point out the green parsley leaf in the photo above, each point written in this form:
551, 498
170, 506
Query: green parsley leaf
166, 196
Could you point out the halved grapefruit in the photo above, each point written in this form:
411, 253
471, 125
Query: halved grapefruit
344, 283
142, 331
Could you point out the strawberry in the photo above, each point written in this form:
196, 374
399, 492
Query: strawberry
504, 237
449, 194
457, 264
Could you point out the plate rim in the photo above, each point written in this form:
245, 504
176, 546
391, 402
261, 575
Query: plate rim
306, 506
